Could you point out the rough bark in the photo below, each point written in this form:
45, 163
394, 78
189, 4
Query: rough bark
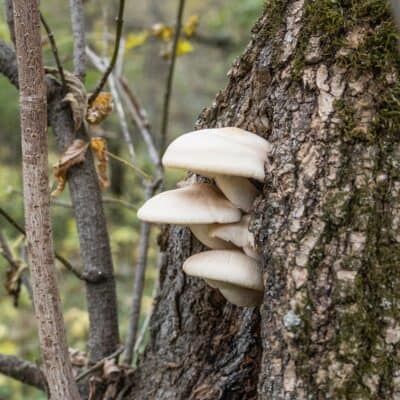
200, 346
319, 80
33, 112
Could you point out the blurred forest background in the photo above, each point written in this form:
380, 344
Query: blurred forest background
222, 33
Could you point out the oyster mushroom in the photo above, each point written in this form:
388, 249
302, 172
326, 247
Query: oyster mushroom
237, 276
198, 206
238, 234
229, 155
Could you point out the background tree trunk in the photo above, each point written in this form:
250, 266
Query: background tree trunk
319, 80
33, 111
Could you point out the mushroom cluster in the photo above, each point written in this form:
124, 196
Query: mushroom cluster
217, 214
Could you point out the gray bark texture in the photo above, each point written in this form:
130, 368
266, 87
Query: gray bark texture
319, 80
33, 112
22, 370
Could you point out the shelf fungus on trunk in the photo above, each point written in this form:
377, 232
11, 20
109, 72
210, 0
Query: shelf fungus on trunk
237, 276
229, 155
238, 234
198, 206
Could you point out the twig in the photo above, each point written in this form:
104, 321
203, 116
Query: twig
146, 322
54, 50
140, 121
133, 166
114, 57
99, 364
138, 286
168, 88
5, 251
396, 12
100, 65
122, 117
78, 33
124, 203
59, 257
106, 200
23, 371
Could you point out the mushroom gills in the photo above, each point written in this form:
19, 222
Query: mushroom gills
240, 296
202, 233
237, 233
239, 191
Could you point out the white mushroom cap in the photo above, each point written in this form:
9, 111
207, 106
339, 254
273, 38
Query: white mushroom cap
200, 203
235, 274
223, 151
238, 234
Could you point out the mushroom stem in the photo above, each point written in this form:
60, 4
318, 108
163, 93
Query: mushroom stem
202, 233
240, 191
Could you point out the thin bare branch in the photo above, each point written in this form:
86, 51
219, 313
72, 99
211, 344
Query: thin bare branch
99, 364
114, 57
14, 264
8, 63
140, 120
170, 77
54, 50
100, 64
138, 284
122, 117
112, 201
138, 170
78, 33
146, 322
22, 371
58, 256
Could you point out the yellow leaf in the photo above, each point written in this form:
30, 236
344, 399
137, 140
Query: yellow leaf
184, 47
191, 25
100, 109
74, 154
135, 39
162, 31
99, 147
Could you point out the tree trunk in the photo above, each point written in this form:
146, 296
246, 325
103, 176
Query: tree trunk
33, 105
319, 80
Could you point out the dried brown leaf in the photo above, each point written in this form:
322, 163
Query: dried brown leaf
77, 98
74, 154
111, 371
99, 148
100, 109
